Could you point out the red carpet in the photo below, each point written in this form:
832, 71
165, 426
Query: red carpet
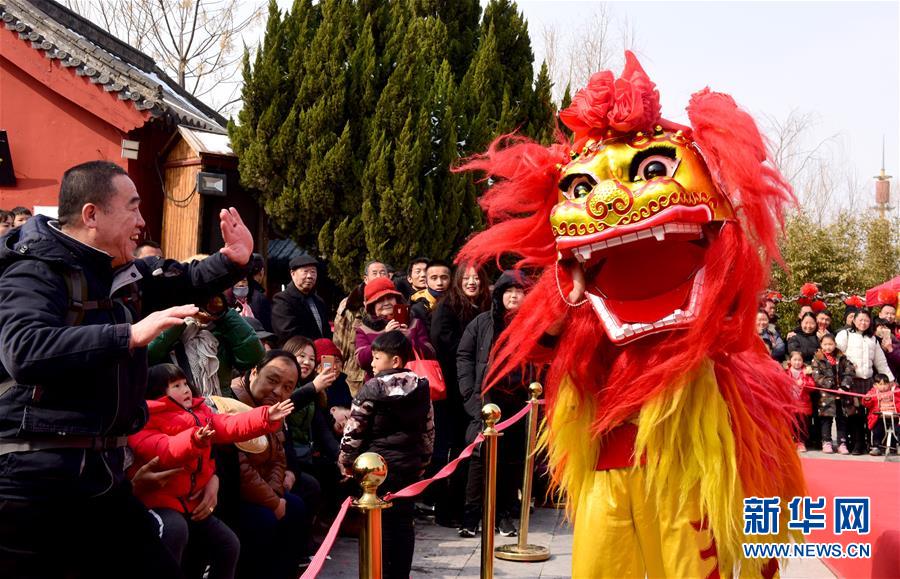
878, 480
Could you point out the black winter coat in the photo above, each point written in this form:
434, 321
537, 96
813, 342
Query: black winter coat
807, 344
830, 376
391, 415
291, 315
473, 358
446, 332
83, 380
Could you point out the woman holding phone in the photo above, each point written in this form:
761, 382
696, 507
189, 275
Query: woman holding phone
387, 310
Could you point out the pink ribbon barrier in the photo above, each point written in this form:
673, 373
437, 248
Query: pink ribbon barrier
417, 487
315, 566
839, 392
322, 554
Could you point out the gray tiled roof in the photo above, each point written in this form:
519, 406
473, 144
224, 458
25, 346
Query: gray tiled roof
119, 68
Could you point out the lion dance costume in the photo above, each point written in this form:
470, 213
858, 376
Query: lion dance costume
664, 410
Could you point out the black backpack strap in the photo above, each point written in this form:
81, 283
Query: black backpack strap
76, 285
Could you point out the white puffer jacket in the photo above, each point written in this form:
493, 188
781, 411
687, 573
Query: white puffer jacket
864, 352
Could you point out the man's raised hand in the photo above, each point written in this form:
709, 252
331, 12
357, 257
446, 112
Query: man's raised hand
238, 240
143, 332
280, 410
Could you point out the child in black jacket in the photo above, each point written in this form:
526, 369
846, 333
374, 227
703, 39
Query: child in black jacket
392, 415
833, 370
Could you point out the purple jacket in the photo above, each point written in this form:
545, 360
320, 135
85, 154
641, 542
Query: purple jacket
893, 357
365, 335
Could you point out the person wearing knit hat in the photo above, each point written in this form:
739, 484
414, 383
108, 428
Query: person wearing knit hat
339, 395
298, 311
325, 347
381, 299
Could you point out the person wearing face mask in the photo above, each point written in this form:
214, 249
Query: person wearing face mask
510, 393
257, 297
468, 296
273, 523
241, 291
381, 299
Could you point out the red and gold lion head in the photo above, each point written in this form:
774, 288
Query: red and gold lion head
636, 205
674, 227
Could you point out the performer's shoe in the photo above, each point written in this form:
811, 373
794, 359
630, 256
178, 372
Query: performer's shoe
875, 452
842, 449
801, 447
827, 448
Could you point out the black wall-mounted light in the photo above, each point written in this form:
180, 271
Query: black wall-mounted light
212, 184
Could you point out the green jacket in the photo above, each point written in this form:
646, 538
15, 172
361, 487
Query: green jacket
239, 348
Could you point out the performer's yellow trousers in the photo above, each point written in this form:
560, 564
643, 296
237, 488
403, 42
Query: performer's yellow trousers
622, 531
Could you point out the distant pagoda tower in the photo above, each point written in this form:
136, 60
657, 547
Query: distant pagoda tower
882, 189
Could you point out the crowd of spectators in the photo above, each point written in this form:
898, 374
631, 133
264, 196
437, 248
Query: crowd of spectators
845, 374
13, 218
182, 421
227, 428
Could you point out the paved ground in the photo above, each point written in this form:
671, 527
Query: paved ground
441, 553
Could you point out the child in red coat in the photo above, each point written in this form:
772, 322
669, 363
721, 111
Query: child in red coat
883, 397
180, 432
803, 381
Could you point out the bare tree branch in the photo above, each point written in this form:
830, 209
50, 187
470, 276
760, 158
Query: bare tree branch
595, 45
194, 41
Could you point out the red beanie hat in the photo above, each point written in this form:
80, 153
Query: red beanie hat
378, 288
325, 347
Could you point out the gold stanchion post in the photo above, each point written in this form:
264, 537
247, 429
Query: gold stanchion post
490, 413
522, 551
370, 470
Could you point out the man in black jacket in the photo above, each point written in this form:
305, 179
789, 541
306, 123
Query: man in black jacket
76, 315
298, 311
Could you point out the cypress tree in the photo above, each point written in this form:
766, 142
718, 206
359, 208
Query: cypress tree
542, 116
567, 98
263, 110
355, 113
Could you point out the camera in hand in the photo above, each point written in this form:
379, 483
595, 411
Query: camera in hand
213, 308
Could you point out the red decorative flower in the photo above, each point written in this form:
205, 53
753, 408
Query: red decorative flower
590, 107
774, 296
809, 289
627, 104
855, 301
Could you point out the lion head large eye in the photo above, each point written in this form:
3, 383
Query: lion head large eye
578, 187
656, 166
652, 163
